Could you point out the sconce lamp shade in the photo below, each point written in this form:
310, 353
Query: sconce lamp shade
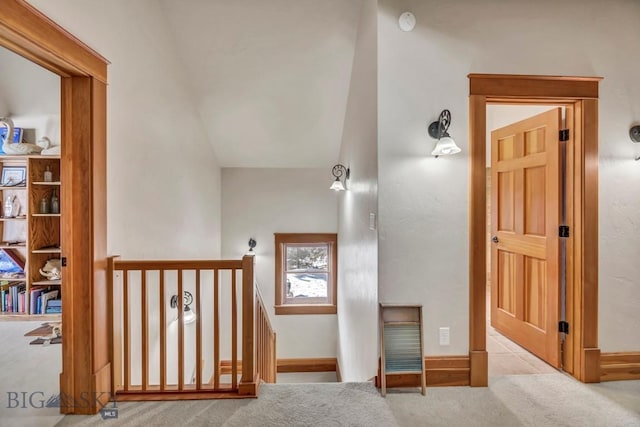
188, 316
445, 145
438, 130
337, 185
338, 172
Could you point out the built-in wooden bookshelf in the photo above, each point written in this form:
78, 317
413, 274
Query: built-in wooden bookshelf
32, 235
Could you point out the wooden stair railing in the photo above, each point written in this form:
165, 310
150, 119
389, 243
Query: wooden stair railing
148, 347
265, 343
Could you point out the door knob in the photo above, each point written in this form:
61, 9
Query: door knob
494, 239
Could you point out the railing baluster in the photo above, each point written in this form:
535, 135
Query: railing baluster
260, 334
198, 334
127, 348
216, 329
180, 332
163, 334
234, 332
145, 329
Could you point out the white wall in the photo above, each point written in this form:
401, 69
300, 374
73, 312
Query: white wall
259, 202
30, 95
424, 201
358, 255
163, 196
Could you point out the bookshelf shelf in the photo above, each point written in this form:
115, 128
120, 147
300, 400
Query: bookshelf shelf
17, 245
46, 183
47, 251
47, 283
32, 238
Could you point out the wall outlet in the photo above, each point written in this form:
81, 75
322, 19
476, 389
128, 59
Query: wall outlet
445, 336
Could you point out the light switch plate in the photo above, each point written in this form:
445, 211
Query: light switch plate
445, 336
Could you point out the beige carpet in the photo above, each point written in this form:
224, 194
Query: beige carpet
523, 400
511, 400
28, 378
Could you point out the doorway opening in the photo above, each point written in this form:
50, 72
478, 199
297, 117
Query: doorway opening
581, 355
518, 134
86, 367
30, 98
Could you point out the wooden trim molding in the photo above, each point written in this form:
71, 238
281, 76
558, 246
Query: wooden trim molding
580, 95
306, 309
514, 85
620, 366
319, 364
307, 305
326, 364
86, 364
441, 371
29, 33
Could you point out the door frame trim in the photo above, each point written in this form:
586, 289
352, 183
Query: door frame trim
85, 381
582, 194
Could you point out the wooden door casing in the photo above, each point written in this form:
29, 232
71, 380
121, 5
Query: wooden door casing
525, 287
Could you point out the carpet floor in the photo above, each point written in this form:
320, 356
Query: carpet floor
513, 400
30, 375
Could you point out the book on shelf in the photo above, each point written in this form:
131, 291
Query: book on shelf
54, 306
45, 297
21, 301
13, 297
34, 294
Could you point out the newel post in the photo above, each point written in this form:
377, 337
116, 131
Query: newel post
249, 381
114, 325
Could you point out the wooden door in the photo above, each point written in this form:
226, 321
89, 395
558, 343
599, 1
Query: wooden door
525, 216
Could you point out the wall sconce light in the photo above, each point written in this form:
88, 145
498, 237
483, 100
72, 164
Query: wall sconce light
634, 134
438, 130
188, 315
252, 244
338, 171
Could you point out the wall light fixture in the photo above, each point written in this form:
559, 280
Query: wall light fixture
438, 130
252, 244
338, 172
634, 134
188, 315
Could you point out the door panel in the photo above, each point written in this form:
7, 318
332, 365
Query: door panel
506, 184
535, 291
506, 276
534, 199
525, 218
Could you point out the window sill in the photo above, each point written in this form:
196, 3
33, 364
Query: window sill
306, 309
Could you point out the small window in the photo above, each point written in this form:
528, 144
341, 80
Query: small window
306, 273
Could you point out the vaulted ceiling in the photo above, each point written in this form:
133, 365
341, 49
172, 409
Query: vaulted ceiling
270, 79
